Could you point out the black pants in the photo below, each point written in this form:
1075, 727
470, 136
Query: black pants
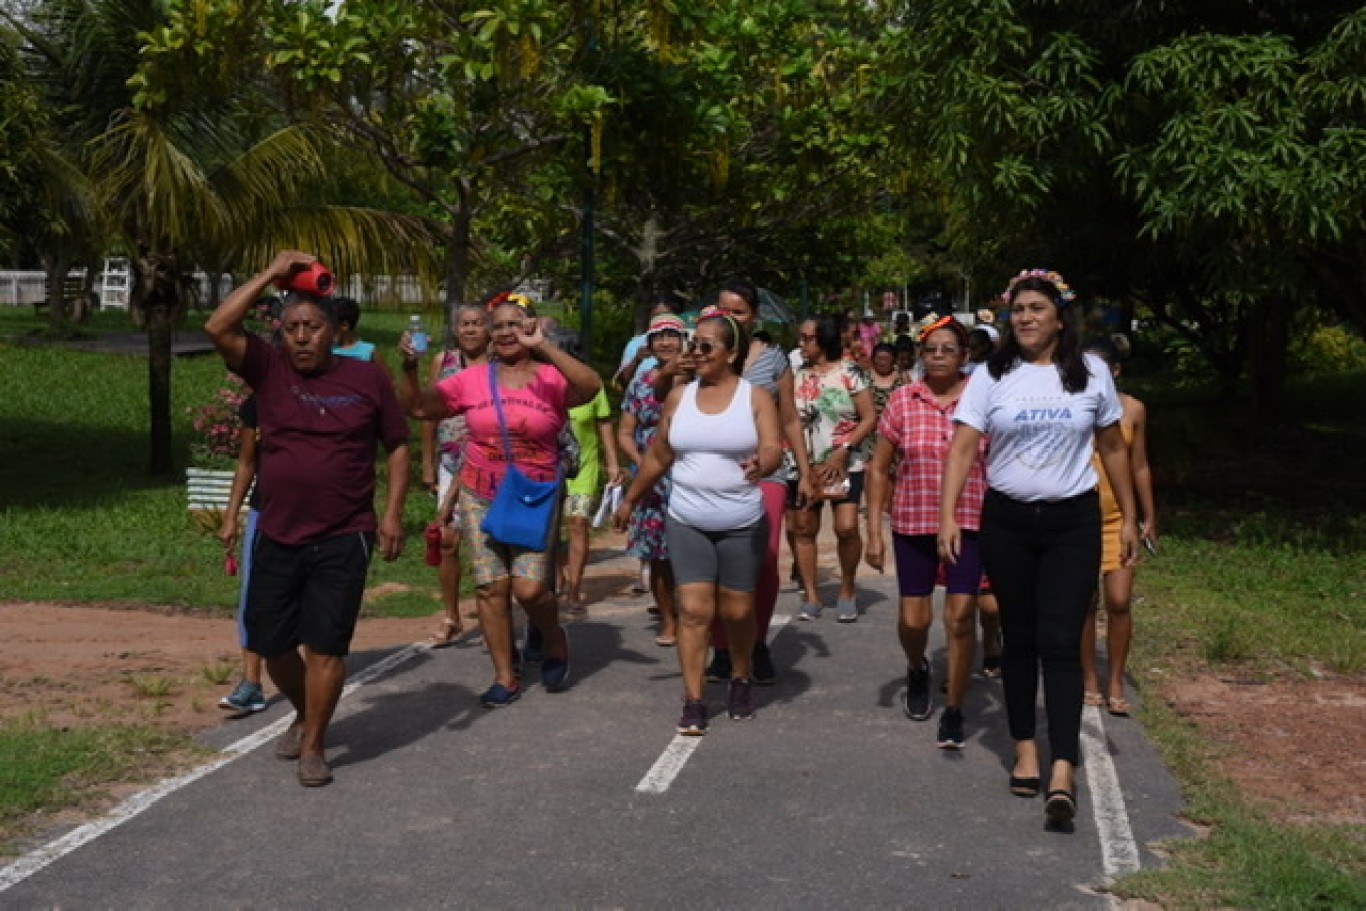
1043, 559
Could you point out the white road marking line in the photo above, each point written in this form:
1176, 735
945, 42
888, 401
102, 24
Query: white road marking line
676, 754
1118, 850
668, 765
55, 850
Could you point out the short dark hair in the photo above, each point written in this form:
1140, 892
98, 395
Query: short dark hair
324, 304
347, 311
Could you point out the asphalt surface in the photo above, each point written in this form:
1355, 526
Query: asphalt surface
830, 798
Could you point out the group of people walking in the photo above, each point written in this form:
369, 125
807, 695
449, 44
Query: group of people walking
988, 479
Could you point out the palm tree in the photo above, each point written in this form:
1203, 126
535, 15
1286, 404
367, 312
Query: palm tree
173, 212
195, 167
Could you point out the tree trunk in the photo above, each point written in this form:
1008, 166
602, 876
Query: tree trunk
56, 267
160, 333
457, 265
1268, 350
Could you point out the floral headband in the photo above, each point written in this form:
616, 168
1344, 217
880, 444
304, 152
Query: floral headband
1065, 293
714, 312
508, 297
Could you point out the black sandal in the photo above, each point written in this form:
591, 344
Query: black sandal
1025, 787
1061, 807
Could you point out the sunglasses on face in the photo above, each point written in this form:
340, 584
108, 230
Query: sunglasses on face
704, 346
931, 350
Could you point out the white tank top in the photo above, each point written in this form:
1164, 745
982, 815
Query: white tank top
710, 491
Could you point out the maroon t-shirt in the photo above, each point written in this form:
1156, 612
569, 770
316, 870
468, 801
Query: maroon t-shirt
316, 458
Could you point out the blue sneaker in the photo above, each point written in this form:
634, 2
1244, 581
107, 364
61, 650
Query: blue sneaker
555, 671
498, 696
246, 699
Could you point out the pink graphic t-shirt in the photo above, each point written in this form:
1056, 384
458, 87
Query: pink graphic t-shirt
535, 414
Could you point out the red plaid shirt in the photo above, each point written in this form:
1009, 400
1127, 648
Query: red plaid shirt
920, 430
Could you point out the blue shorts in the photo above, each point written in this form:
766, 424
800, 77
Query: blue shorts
917, 565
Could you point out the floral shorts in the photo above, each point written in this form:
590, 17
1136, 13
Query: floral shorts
580, 505
490, 560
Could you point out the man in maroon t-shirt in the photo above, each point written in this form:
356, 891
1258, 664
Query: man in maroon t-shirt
321, 418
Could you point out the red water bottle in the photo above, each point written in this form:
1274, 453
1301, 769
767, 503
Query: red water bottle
433, 538
314, 279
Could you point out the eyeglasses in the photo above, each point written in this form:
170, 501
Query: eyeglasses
931, 350
805, 338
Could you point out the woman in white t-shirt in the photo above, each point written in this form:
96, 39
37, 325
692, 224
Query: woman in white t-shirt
1043, 403
719, 434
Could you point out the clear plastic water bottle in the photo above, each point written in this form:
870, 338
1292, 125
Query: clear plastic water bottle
417, 336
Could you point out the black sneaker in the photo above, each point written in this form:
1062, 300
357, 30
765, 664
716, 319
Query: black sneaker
740, 700
761, 666
719, 669
951, 729
694, 720
917, 702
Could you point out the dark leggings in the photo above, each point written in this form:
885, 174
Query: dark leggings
1043, 559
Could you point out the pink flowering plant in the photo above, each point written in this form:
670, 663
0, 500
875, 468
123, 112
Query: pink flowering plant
215, 426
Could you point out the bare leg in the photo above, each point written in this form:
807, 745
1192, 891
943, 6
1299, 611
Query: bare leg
542, 609
495, 619
850, 546
913, 628
1090, 681
960, 630
737, 612
662, 587
1119, 627
251, 666
577, 558
696, 608
805, 530
449, 575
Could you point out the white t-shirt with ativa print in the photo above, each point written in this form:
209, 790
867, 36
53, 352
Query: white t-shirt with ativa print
825, 404
1042, 436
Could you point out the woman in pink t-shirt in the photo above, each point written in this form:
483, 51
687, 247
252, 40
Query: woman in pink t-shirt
537, 384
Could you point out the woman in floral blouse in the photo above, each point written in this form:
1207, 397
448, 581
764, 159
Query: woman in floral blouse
837, 415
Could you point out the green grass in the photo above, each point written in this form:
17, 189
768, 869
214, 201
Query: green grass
1262, 574
81, 520
44, 769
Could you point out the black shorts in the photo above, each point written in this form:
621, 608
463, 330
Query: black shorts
308, 594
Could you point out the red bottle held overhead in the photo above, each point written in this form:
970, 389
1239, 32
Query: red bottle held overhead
315, 279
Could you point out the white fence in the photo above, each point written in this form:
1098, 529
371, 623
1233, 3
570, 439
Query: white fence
26, 288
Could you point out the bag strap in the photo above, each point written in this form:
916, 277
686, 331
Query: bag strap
498, 407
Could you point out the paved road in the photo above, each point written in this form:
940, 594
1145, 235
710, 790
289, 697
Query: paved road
831, 798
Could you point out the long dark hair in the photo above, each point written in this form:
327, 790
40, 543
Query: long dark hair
1067, 355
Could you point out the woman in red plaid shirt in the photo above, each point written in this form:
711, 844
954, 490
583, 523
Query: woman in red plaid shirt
917, 425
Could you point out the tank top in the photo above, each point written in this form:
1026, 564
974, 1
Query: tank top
710, 491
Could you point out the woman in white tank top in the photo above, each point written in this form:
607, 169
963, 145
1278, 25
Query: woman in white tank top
720, 436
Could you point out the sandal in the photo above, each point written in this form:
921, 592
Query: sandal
447, 635
1061, 807
1092, 699
1118, 706
666, 641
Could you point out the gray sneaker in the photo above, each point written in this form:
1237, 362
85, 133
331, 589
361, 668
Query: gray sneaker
245, 699
846, 610
809, 611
